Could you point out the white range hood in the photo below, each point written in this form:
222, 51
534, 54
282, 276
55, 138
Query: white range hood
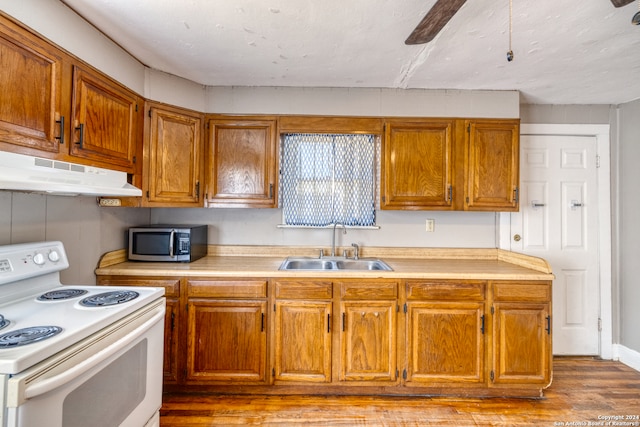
19, 172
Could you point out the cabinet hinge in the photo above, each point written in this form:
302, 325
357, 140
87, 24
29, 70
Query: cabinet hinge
147, 194
405, 308
492, 376
469, 128
599, 325
134, 159
149, 112
173, 321
136, 108
186, 307
273, 372
597, 161
397, 373
404, 374
274, 307
492, 310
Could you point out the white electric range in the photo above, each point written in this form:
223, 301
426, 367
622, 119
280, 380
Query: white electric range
75, 355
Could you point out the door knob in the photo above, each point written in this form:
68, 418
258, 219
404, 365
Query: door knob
517, 237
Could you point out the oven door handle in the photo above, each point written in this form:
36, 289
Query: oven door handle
49, 384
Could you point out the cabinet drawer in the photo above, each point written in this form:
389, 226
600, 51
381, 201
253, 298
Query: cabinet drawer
431, 290
301, 289
368, 290
522, 291
227, 288
171, 286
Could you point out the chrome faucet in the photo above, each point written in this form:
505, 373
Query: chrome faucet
333, 241
356, 251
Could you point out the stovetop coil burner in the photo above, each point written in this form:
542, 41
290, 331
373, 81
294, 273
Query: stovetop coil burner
3, 322
61, 294
29, 335
109, 298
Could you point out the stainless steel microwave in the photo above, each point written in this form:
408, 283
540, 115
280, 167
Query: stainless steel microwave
172, 243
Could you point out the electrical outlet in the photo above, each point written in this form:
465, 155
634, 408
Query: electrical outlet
110, 202
431, 225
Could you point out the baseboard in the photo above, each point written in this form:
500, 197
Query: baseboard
627, 356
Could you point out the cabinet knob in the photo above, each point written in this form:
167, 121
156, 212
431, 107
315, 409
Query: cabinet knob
517, 237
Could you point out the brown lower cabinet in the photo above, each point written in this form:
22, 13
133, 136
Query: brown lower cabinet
226, 331
521, 352
355, 336
446, 334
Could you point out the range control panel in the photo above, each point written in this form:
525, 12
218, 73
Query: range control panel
24, 260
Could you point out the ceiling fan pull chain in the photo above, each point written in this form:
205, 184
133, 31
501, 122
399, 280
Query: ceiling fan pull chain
510, 52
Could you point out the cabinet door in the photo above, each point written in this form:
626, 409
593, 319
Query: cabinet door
521, 343
242, 163
172, 171
227, 341
445, 342
105, 120
493, 165
30, 78
417, 167
303, 341
368, 341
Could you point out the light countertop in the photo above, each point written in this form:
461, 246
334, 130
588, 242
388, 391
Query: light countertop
407, 263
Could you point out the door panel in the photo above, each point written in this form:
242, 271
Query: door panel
558, 221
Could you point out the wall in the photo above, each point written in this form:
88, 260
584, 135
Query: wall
86, 230
627, 232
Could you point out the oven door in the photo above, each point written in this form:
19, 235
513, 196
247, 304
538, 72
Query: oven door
113, 378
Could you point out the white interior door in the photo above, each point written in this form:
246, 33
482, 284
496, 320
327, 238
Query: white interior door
558, 221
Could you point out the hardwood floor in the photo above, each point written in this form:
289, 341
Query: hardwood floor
583, 392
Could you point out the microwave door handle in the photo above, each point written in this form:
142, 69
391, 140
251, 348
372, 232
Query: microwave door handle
172, 239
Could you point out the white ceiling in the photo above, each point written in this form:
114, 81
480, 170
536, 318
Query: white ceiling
566, 51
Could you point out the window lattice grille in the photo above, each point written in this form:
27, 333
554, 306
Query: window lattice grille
327, 179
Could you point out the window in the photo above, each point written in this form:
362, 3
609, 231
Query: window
327, 179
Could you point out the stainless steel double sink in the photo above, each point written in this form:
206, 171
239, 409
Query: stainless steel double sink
334, 264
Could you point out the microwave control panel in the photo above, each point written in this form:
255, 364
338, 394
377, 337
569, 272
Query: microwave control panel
183, 244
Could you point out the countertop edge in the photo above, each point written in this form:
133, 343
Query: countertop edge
538, 268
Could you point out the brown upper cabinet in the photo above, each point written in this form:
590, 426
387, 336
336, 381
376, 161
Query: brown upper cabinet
172, 156
450, 164
105, 120
53, 105
30, 99
242, 161
493, 165
418, 164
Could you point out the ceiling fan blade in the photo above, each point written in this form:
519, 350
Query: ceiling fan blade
620, 3
441, 12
